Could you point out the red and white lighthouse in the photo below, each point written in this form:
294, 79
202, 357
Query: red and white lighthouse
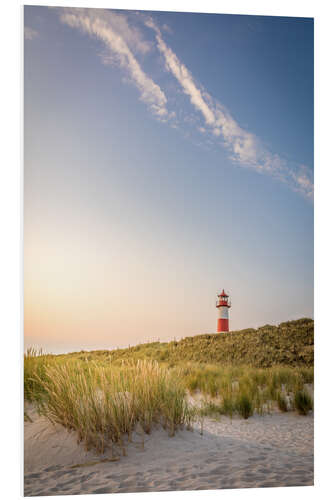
223, 305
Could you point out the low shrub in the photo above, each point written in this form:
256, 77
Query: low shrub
282, 402
290, 344
303, 402
244, 406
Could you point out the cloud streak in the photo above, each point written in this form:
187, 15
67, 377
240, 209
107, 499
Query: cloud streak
29, 33
244, 147
120, 41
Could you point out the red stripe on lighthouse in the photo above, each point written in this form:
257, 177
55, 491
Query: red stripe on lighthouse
222, 325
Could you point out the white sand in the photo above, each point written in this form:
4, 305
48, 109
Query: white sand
273, 450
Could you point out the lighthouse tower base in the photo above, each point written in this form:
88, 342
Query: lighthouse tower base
222, 325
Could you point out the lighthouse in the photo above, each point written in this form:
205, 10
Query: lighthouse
223, 304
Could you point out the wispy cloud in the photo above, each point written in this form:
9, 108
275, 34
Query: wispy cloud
29, 33
245, 148
167, 28
120, 41
124, 45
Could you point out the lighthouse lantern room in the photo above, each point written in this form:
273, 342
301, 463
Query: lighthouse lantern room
223, 305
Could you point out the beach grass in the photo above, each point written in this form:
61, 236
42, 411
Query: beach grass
303, 402
105, 396
61, 382
105, 405
229, 386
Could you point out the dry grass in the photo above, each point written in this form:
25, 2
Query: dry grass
290, 344
303, 402
104, 405
107, 395
244, 389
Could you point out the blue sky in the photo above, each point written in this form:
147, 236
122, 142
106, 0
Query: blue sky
167, 155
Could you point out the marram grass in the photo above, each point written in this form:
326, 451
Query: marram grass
107, 395
51, 380
230, 385
104, 405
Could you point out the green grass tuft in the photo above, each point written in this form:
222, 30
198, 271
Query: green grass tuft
303, 402
244, 406
282, 402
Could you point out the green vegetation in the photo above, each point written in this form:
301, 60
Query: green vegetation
35, 363
106, 404
282, 402
226, 388
245, 406
106, 395
303, 402
290, 344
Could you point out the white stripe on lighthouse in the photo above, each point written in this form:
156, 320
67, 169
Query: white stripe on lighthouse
224, 313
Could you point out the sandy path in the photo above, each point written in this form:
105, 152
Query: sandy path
272, 450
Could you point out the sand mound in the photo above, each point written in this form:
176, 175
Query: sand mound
274, 450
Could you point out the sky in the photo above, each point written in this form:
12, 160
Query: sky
166, 156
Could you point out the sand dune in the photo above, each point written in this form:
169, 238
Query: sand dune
273, 450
